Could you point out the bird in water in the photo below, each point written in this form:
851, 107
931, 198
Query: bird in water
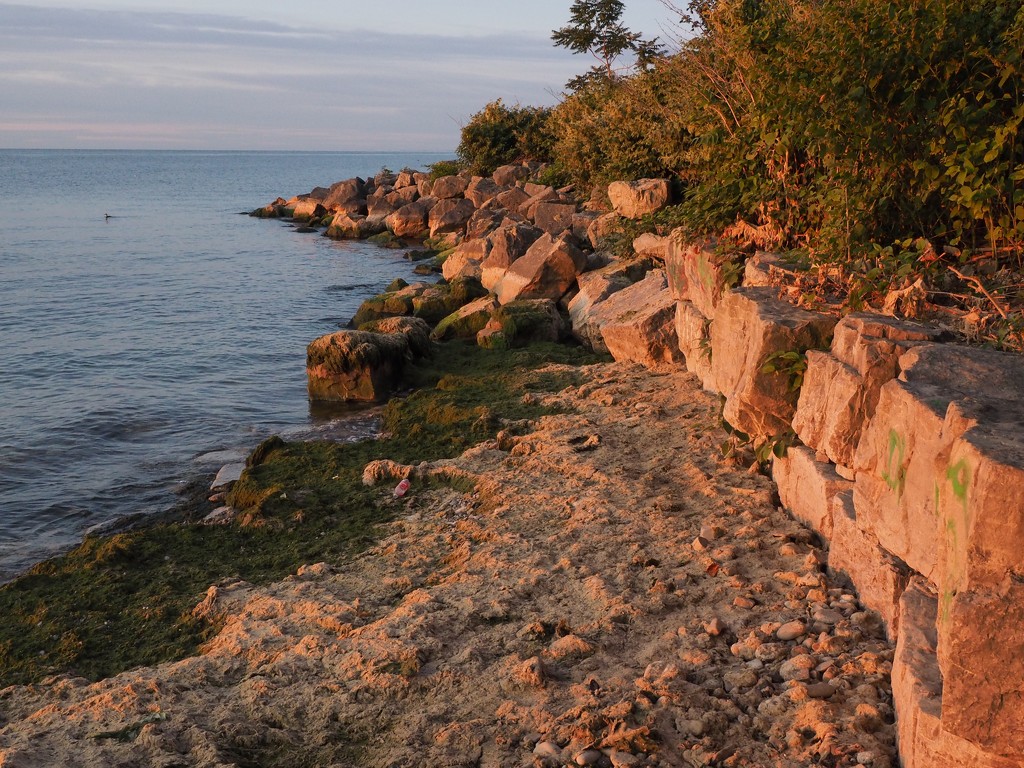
107, 216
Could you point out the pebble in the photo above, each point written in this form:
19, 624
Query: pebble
700, 543
713, 627
743, 602
589, 757
865, 758
623, 759
820, 691
710, 532
828, 616
739, 679
791, 630
798, 668
789, 549
547, 750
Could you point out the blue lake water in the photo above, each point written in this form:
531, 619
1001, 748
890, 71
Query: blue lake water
132, 346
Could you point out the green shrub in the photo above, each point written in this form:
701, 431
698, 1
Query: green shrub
498, 135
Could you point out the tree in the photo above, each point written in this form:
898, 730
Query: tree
595, 27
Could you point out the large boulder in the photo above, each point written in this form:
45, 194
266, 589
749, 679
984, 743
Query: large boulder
466, 259
584, 308
403, 196
348, 195
508, 175
448, 187
542, 195
411, 220
521, 322
481, 190
880, 578
554, 217
360, 365
510, 199
547, 270
694, 333
918, 691
345, 226
305, 208
807, 487
601, 227
841, 387
939, 472
450, 215
482, 223
639, 323
700, 272
751, 329
466, 321
652, 245
636, 199
507, 244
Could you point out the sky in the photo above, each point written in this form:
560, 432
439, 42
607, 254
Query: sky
327, 75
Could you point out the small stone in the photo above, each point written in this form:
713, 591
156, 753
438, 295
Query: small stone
694, 728
791, 630
623, 759
743, 602
789, 549
547, 750
713, 627
700, 543
865, 758
820, 691
710, 532
798, 668
739, 679
532, 672
589, 757
828, 616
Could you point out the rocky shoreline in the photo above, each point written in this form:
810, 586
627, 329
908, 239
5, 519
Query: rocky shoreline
610, 583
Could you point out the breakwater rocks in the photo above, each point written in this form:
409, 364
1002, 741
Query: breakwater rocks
902, 451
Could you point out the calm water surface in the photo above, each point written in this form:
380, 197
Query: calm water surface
131, 347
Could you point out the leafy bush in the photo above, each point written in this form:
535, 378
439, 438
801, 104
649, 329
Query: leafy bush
498, 135
444, 168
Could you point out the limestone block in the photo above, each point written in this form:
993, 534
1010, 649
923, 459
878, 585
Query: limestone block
450, 215
528, 320
510, 199
749, 326
925, 740
600, 227
694, 333
466, 260
581, 223
482, 223
807, 488
411, 219
640, 325
543, 195
547, 270
344, 194
841, 389
699, 273
448, 187
879, 577
306, 208
360, 365
931, 497
481, 189
353, 226
466, 321
651, 245
636, 199
507, 244
405, 179
980, 637
404, 196
595, 287
507, 175
554, 217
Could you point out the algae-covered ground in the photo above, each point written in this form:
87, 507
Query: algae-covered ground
126, 600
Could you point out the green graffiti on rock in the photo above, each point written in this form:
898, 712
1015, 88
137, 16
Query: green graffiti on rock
895, 474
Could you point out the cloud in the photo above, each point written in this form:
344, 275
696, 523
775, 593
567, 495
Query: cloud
131, 79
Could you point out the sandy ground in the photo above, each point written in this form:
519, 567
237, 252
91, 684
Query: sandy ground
613, 593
